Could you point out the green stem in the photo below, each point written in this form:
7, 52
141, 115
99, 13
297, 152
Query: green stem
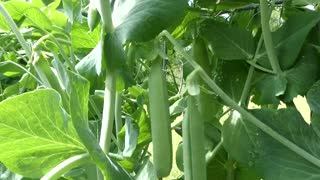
265, 16
25, 70
118, 117
108, 111
257, 66
211, 154
247, 85
66, 165
15, 30
248, 116
104, 9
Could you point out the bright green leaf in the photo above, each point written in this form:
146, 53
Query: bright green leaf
35, 135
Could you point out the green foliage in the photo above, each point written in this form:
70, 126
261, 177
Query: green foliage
104, 81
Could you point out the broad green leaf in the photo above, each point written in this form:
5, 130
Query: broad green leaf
142, 20
16, 9
82, 38
131, 138
288, 40
258, 151
35, 133
231, 77
228, 42
302, 76
269, 88
35, 17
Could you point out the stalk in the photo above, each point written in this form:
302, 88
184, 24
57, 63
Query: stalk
15, 30
247, 84
248, 116
268, 42
66, 165
108, 111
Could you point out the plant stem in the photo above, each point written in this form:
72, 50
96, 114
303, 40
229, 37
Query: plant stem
118, 118
104, 9
16, 31
108, 111
247, 116
265, 16
247, 85
257, 66
211, 154
66, 165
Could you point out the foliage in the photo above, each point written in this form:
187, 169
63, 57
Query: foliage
86, 85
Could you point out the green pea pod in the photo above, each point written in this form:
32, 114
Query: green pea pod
93, 16
193, 143
200, 54
160, 120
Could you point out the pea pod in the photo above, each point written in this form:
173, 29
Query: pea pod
193, 143
160, 120
207, 103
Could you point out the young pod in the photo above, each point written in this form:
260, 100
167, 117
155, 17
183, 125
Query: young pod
160, 119
193, 143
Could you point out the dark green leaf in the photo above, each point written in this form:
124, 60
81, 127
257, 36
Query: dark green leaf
35, 135
231, 77
288, 40
267, 156
269, 88
302, 76
142, 20
228, 42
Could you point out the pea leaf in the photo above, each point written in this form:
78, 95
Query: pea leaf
231, 77
288, 40
142, 20
276, 86
302, 76
270, 159
228, 42
34, 133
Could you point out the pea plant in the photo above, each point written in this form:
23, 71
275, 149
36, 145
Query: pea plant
95, 89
